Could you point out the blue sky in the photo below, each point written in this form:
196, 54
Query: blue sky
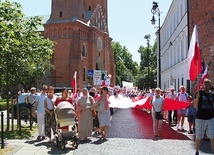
128, 20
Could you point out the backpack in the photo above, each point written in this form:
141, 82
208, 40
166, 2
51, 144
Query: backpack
185, 95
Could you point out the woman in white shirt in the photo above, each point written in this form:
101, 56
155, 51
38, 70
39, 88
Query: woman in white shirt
157, 103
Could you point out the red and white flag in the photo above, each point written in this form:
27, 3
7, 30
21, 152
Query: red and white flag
74, 84
104, 83
200, 83
204, 76
194, 58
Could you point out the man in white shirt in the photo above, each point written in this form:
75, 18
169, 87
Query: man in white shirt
172, 96
39, 111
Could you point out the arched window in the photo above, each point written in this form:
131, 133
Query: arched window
60, 14
83, 50
84, 74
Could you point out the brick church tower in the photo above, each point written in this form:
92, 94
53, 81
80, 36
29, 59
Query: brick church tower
80, 30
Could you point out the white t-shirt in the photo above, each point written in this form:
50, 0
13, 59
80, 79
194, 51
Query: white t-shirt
40, 107
157, 103
182, 97
31, 98
50, 102
170, 96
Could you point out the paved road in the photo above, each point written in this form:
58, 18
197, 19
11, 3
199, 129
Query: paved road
130, 134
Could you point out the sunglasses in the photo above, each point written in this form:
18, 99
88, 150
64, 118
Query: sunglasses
207, 82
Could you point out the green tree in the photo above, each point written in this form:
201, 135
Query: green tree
25, 54
126, 68
148, 67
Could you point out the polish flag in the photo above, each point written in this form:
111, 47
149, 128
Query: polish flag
194, 58
104, 83
74, 84
205, 75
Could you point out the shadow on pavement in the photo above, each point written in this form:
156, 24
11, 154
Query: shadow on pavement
51, 146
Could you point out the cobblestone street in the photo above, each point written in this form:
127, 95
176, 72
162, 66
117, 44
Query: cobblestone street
131, 133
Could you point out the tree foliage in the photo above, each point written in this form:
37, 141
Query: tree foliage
126, 68
25, 54
148, 67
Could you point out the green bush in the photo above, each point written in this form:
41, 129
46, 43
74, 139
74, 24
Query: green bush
3, 104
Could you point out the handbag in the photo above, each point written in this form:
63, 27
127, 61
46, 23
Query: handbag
101, 107
93, 111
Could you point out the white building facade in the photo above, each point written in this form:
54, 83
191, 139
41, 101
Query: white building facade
174, 46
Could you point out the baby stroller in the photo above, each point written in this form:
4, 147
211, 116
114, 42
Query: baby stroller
65, 116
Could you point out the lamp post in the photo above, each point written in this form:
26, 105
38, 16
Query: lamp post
155, 10
147, 37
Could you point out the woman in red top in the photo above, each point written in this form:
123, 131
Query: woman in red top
64, 97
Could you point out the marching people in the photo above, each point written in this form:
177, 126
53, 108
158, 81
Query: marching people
191, 112
172, 96
102, 106
39, 111
50, 121
204, 103
157, 103
70, 93
181, 96
85, 121
30, 100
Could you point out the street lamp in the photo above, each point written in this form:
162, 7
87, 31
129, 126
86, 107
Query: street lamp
155, 10
147, 37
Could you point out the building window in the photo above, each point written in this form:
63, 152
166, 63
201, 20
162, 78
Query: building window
83, 17
89, 8
182, 81
84, 73
60, 14
83, 50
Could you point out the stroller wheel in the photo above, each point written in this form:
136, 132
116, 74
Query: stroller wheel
63, 145
57, 141
75, 144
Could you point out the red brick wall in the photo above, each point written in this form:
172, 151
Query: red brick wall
202, 14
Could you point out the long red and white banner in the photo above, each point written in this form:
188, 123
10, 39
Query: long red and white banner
140, 103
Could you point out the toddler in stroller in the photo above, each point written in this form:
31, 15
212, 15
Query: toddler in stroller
65, 116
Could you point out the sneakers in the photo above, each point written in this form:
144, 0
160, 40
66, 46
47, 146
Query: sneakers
182, 129
40, 137
190, 132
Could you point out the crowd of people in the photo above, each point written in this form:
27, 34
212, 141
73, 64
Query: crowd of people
84, 101
199, 112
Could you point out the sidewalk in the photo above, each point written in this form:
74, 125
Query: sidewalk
36, 147
32, 146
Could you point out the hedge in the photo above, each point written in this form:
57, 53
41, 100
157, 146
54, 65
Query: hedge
3, 104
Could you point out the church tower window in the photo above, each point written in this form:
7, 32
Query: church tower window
60, 14
89, 8
84, 73
83, 50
